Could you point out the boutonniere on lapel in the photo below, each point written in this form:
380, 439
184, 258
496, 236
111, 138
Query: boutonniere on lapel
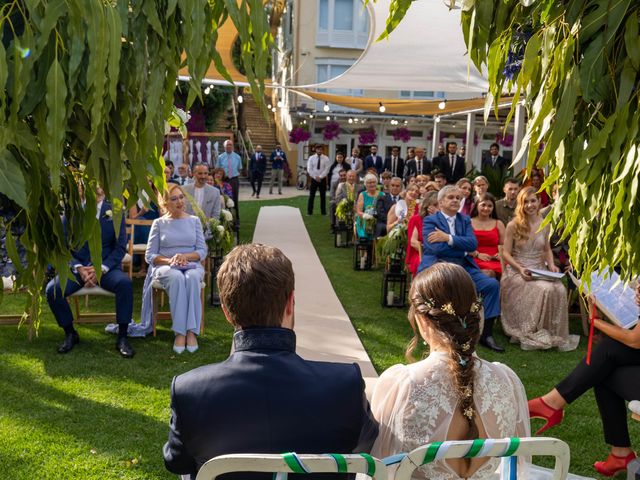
108, 214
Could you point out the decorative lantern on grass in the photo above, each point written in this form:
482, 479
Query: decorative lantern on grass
363, 254
394, 288
343, 235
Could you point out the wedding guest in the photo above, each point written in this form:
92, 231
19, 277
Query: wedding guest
421, 181
144, 209
394, 163
385, 203
536, 182
480, 185
613, 374
428, 206
489, 232
257, 168
231, 163
405, 207
494, 160
441, 179
278, 162
335, 170
534, 314
168, 175
366, 204
466, 205
452, 394
220, 183
175, 251
506, 207
374, 161
318, 168
385, 178
211, 181
350, 188
184, 177
431, 187
410, 180
355, 162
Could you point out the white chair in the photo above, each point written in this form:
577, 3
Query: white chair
504, 447
91, 317
293, 463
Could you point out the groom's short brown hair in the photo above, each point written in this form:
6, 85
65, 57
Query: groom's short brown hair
255, 282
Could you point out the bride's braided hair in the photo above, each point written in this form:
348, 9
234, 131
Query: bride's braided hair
445, 296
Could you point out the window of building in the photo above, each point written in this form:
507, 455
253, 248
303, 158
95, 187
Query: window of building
421, 94
328, 68
342, 24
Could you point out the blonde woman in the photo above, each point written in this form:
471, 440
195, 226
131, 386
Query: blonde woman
534, 313
405, 208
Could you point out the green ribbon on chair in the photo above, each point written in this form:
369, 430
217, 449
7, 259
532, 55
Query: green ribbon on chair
514, 443
340, 462
432, 451
475, 448
294, 463
371, 464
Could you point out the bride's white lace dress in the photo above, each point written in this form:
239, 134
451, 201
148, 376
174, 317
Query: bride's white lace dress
415, 403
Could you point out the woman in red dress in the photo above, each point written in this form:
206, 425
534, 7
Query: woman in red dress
490, 234
429, 206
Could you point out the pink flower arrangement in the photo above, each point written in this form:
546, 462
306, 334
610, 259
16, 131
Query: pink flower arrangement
299, 134
331, 131
402, 133
368, 136
504, 140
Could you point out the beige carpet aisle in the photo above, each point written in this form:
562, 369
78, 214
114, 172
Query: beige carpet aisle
323, 329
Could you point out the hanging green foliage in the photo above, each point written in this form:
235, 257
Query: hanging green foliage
575, 66
85, 88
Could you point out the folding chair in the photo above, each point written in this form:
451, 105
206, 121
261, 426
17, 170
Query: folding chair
486, 447
91, 317
293, 463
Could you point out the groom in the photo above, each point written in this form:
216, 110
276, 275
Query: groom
448, 237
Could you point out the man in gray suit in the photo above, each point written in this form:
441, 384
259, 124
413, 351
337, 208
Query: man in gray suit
207, 197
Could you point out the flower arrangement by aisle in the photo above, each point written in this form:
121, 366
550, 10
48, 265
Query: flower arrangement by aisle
344, 210
369, 219
217, 231
402, 133
368, 136
299, 134
331, 130
393, 245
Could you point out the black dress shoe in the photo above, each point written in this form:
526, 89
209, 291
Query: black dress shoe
490, 343
70, 340
122, 345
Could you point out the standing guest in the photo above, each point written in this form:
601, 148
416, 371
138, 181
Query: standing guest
183, 175
494, 160
174, 253
219, 182
462, 151
466, 205
613, 374
506, 207
168, 175
318, 168
113, 280
441, 151
448, 237
480, 186
366, 203
411, 153
452, 165
386, 181
278, 159
452, 394
374, 160
384, 204
418, 165
429, 206
405, 208
338, 167
355, 162
394, 163
231, 162
285, 403
489, 232
257, 167
207, 198
536, 182
535, 314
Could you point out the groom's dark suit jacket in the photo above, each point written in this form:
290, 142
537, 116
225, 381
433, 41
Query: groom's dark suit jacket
266, 399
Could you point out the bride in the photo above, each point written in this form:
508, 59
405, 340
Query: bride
452, 394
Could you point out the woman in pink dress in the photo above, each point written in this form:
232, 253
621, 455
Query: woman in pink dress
466, 205
490, 234
429, 206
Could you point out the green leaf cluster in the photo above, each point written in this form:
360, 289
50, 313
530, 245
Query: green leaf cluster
85, 89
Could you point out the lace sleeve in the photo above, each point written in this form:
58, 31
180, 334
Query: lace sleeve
388, 405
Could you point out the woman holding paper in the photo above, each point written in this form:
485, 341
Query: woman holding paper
534, 313
613, 372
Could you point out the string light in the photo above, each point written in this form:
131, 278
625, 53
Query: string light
382, 108
311, 115
240, 99
273, 109
442, 105
437, 119
269, 106
326, 107
328, 118
350, 120
280, 104
207, 90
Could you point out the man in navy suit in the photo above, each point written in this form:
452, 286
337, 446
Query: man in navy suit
374, 160
494, 160
257, 167
452, 164
113, 280
264, 398
448, 237
394, 163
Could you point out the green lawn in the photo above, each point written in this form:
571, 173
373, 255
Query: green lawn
91, 414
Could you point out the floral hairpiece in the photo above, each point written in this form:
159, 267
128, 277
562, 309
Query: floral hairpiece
468, 412
467, 392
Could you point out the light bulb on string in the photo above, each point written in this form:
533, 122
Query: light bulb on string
328, 118
326, 107
382, 108
437, 119
311, 115
442, 105
273, 109
279, 104
350, 120
240, 99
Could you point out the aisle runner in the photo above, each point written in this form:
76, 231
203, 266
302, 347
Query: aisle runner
323, 329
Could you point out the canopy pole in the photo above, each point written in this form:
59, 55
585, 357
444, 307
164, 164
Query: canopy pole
435, 137
470, 148
518, 135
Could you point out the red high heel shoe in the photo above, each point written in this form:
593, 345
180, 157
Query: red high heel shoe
613, 464
539, 409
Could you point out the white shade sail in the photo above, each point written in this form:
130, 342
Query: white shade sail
426, 52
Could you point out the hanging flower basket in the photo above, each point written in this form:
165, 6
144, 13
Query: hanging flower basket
299, 134
368, 136
331, 131
505, 141
402, 133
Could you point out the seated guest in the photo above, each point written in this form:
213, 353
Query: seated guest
141, 232
333, 202
506, 207
448, 237
221, 184
350, 188
559, 241
183, 175
410, 180
466, 205
480, 186
336, 168
175, 251
428, 206
440, 179
534, 314
536, 182
489, 232
366, 204
421, 182
264, 398
168, 175
405, 207
385, 178
385, 203
113, 280
431, 187
206, 197
452, 394
613, 374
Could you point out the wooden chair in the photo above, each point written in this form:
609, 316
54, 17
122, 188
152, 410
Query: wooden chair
503, 447
90, 317
9, 318
293, 463
135, 248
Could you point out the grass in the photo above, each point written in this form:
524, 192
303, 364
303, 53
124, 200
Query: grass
91, 414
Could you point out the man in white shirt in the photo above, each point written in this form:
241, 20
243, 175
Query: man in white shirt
206, 197
318, 168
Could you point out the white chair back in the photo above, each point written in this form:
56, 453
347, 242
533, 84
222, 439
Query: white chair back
293, 463
487, 447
